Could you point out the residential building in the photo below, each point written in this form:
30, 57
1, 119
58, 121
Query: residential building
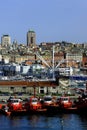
5, 40
74, 59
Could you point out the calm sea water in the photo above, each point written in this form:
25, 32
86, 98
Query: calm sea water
38, 122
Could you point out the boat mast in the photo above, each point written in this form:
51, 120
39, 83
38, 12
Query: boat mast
53, 62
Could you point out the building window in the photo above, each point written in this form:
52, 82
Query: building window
54, 87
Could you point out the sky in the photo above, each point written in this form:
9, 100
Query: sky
52, 20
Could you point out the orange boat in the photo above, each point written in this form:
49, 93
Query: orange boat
34, 106
14, 107
62, 104
81, 104
66, 105
78, 106
65, 102
47, 101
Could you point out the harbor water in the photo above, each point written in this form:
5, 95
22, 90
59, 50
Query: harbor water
44, 122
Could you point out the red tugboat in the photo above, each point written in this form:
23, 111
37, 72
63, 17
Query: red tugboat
81, 104
65, 102
34, 106
14, 107
62, 104
66, 105
47, 101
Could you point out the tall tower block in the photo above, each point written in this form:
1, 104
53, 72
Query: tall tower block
5, 40
31, 38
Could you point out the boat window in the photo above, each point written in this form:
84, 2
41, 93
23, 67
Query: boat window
14, 101
64, 99
48, 99
34, 100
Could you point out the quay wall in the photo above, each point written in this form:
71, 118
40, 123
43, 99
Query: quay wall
23, 97
5, 98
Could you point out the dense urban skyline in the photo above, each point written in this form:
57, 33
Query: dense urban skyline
52, 20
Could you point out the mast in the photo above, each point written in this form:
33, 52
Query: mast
53, 62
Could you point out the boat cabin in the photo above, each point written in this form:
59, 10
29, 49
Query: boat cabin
33, 101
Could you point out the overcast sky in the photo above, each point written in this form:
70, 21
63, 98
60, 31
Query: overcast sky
52, 20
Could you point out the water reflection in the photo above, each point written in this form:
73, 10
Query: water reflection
73, 122
38, 122
33, 120
16, 121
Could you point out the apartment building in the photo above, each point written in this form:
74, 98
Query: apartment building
5, 40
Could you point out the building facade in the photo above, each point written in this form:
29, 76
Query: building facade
5, 40
31, 38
